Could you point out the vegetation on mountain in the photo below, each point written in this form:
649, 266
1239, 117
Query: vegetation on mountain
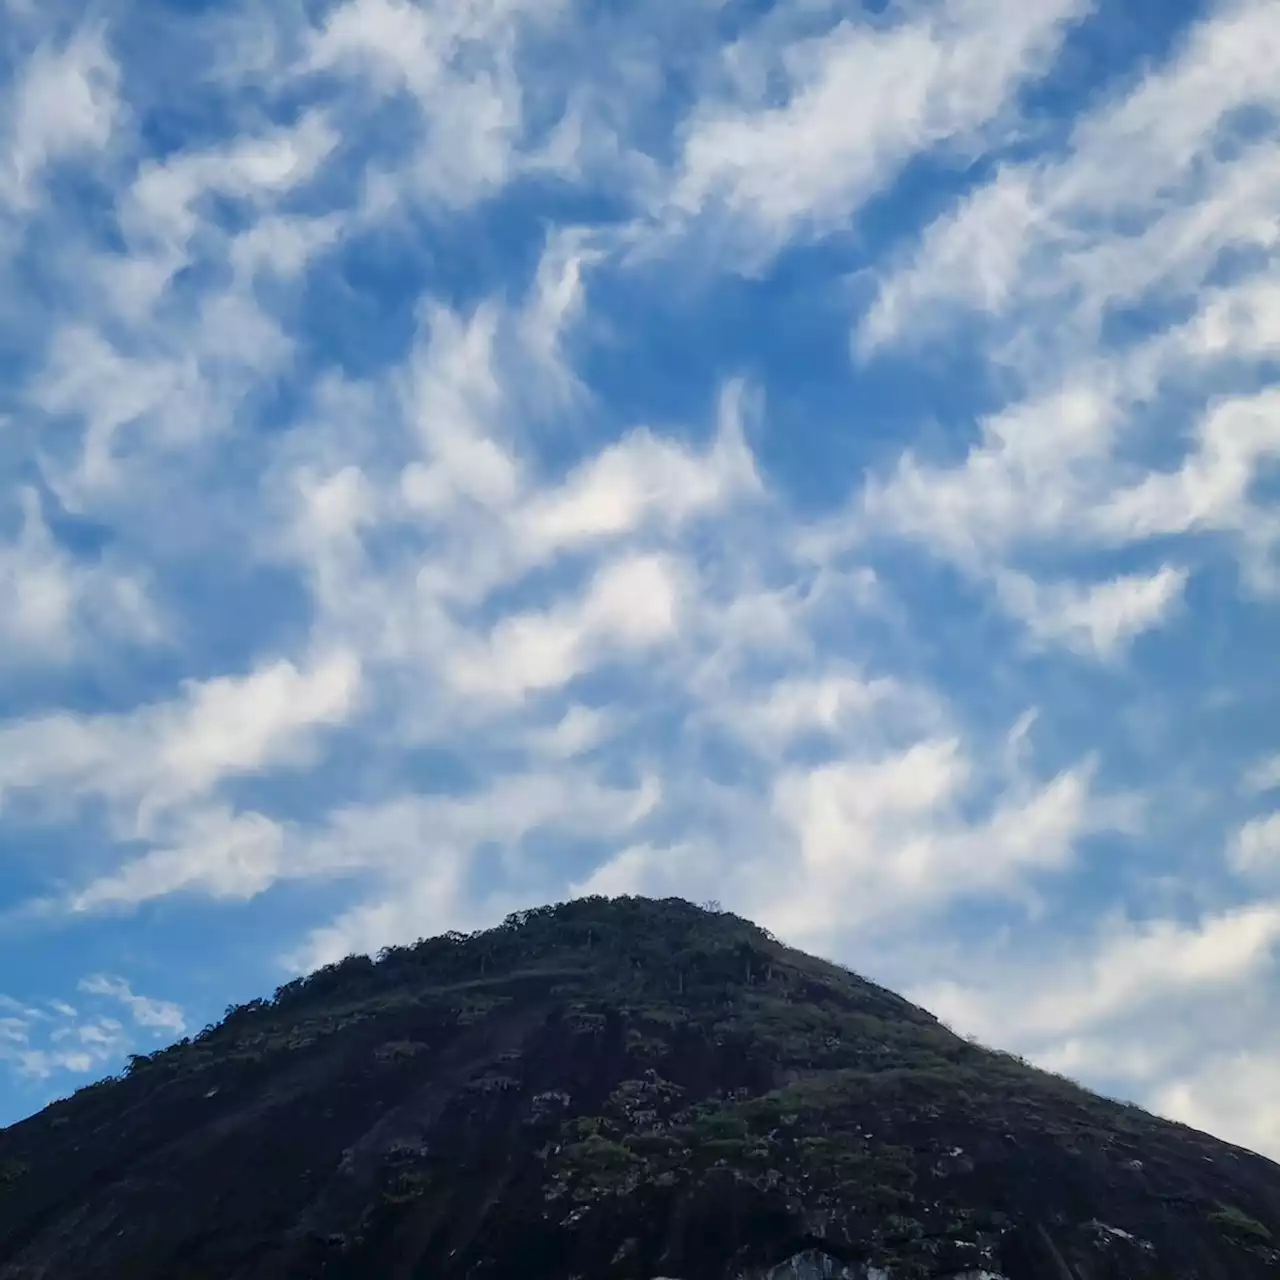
612, 1090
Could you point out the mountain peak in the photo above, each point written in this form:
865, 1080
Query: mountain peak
626, 1088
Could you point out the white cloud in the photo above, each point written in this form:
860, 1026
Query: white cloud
1170, 1013
282, 245
40, 1045
422, 849
169, 753
13, 1031
454, 401
25, 1012
869, 841
975, 251
65, 103
164, 218
579, 730
1255, 847
406, 848
1210, 490
456, 64
1262, 776
409, 46
225, 855
1042, 477
425, 907
1053, 475
140, 368
860, 101
158, 1015
241, 725
881, 840
842, 707
87, 378
1032, 481
1241, 322
556, 301
1038, 230
1045, 254
629, 606
1099, 619
159, 210
689, 869
643, 478
473, 517
1132, 967
101, 1043
1025, 479
57, 607
1232, 1095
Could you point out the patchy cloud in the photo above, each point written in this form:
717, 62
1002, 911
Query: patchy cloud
160, 1015
44, 1047
62, 104
859, 100
456, 457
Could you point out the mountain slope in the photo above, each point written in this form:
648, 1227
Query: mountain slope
625, 1088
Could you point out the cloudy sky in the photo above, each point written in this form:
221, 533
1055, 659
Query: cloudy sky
461, 454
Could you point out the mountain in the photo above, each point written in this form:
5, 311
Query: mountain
612, 1089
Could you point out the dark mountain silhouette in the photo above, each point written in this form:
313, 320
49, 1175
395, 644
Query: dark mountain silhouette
604, 1089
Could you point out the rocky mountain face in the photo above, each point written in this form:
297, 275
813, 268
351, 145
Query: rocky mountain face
612, 1090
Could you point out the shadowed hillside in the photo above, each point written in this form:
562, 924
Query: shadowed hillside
612, 1090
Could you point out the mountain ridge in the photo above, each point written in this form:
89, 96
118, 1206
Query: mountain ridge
625, 1088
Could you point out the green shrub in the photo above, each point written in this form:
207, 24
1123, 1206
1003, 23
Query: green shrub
1237, 1224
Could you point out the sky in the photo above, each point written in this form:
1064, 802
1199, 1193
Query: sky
823, 457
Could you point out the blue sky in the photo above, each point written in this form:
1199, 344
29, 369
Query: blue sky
456, 456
